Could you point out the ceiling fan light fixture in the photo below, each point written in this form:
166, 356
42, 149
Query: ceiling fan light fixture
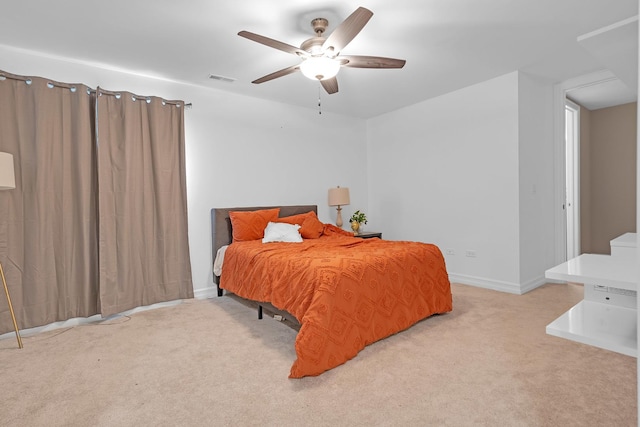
321, 57
319, 68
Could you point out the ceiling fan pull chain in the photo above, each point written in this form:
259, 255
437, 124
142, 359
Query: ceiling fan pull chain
319, 101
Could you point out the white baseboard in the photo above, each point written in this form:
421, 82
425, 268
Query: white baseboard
205, 293
497, 285
533, 284
212, 291
76, 321
512, 288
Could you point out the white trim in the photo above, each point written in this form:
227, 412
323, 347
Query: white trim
573, 184
638, 241
481, 282
560, 91
205, 293
534, 284
608, 28
78, 321
560, 224
497, 285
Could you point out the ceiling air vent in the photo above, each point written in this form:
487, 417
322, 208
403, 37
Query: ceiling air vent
221, 78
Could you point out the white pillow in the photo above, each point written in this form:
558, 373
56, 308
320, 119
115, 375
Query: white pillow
282, 232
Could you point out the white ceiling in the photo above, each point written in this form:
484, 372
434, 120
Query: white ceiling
602, 95
448, 44
616, 48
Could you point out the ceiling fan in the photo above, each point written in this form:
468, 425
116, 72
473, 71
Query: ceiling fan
321, 59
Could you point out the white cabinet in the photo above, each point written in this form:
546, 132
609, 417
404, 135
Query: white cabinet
607, 317
624, 246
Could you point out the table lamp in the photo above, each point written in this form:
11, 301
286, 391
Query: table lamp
8, 182
339, 196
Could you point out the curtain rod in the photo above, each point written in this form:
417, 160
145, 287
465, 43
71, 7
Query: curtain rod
135, 97
5, 76
51, 84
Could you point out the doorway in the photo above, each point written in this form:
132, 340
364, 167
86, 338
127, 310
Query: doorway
567, 242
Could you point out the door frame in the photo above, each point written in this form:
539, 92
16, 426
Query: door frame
572, 179
560, 92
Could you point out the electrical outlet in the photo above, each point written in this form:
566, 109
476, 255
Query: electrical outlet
451, 251
470, 253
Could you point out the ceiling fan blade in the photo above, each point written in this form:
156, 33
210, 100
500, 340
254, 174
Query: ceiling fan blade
275, 75
330, 85
347, 30
273, 43
357, 61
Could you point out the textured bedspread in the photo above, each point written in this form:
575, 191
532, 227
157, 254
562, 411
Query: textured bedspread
346, 292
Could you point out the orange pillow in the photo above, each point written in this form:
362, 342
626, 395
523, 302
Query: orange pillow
295, 219
334, 230
250, 225
311, 228
310, 225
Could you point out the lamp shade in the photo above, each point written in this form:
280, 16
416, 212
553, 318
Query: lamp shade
7, 176
339, 196
320, 68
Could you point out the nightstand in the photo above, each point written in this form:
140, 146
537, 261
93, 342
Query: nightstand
369, 235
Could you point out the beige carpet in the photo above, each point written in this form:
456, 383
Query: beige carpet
212, 363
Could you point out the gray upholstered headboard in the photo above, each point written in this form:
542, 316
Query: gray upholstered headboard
221, 224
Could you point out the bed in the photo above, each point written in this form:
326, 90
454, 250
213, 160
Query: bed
345, 292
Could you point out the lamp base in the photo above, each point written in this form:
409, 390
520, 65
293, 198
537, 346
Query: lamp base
13, 316
339, 217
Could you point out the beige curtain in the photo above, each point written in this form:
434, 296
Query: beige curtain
143, 242
48, 227
97, 222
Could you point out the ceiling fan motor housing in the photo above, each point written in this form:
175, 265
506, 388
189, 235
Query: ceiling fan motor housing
319, 26
313, 46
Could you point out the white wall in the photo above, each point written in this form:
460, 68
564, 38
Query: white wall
536, 160
249, 152
458, 171
240, 151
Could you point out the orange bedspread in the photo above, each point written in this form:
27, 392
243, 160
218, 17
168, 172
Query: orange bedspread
346, 292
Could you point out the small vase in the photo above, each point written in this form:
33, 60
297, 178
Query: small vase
355, 226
